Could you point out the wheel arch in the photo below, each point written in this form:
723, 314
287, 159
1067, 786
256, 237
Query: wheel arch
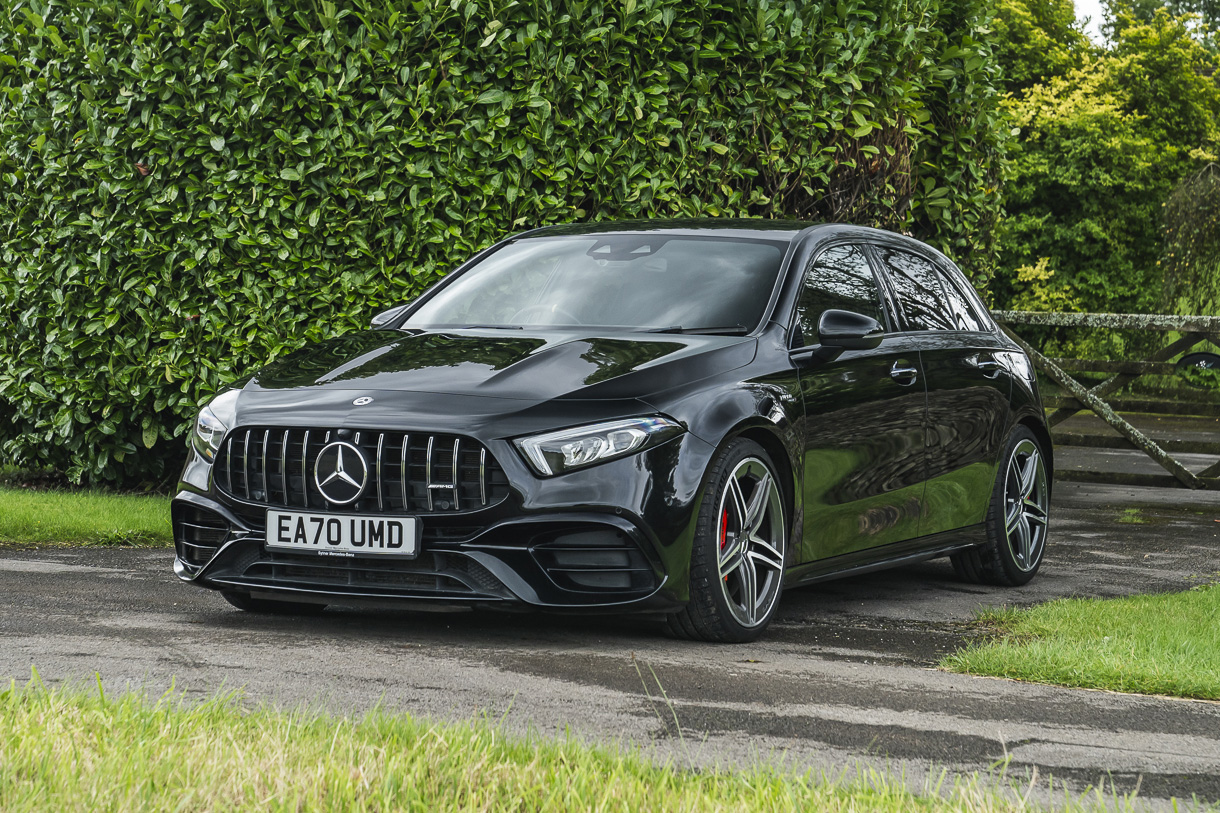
768, 437
709, 614
1043, 436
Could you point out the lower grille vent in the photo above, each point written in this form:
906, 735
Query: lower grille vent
594, 561
440, 574
198, 533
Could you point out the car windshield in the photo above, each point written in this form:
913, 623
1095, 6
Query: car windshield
651, 281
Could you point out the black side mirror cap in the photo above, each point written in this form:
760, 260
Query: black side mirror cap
838, 331
385, 317
849, 331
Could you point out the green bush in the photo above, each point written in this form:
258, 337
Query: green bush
189, 191
1035, 40
1102, 146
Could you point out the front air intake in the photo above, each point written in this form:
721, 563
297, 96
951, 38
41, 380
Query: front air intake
198, 533
594, 561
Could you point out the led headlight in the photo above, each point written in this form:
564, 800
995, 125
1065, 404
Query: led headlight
557, 452
213, 423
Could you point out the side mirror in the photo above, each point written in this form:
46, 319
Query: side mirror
385, 317
849, 331
839, 331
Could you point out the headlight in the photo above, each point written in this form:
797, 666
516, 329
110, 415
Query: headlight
557, 452
213, 423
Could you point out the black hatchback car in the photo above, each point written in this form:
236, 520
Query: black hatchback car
681, 418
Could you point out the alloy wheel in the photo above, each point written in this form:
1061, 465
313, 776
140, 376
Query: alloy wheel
1026, 501
752, 541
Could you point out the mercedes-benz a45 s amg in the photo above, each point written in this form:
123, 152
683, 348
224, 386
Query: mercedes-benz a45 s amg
679, 418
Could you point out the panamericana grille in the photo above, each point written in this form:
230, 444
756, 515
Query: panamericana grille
408, 472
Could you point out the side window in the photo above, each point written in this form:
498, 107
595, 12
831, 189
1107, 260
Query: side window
966, 310
840, 278
921, 296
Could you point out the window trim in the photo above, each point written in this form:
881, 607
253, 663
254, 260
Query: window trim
887, 303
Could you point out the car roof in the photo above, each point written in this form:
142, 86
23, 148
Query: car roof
743, 228
738, 228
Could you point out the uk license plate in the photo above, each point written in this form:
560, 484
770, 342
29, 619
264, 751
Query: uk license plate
343, 534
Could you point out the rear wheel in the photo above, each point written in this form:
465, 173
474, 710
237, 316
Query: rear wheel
738, 554
1016, 520
243, 601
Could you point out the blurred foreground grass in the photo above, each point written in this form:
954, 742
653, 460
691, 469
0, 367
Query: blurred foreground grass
76, 750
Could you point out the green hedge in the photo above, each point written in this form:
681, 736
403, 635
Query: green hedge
188, 191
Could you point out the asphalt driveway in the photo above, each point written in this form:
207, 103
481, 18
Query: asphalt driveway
845, 677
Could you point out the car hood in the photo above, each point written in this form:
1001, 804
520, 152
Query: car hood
536, 366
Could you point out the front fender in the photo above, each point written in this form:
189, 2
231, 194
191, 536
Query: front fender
766, 408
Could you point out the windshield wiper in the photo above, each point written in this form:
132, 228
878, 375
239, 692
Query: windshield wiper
491, 327
730, 330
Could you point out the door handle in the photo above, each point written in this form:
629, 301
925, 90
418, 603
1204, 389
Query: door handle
903, 374
989, 367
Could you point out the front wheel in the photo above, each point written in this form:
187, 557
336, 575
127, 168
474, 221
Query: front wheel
739, 549
1016, 519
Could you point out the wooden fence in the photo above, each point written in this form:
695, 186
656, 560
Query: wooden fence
1104, 399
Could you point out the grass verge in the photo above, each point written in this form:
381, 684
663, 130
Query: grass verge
82, 518
1156, 644
72, 750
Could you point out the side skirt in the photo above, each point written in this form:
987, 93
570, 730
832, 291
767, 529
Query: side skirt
895, 555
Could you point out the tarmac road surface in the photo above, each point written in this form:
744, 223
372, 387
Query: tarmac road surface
844, 678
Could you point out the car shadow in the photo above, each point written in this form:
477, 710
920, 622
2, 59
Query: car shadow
920, 591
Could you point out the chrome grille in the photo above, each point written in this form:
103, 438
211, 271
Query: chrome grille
409, 473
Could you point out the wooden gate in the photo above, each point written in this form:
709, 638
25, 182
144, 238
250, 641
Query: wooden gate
1101, 398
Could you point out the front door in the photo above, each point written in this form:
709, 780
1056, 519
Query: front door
865, 415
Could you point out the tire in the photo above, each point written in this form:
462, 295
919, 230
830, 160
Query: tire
1017, 518
243, 601
739, 550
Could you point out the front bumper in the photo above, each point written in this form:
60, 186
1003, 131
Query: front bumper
624, 547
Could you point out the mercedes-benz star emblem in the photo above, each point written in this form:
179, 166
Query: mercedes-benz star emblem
340, 473
362, 400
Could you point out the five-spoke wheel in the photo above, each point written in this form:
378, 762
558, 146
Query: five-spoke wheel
1016, 520
737, 561
751, 541
1025, 505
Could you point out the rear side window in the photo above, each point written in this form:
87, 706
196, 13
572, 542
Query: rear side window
968, 312
839, 279
928, 301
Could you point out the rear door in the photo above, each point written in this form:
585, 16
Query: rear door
968, 385
865, 413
